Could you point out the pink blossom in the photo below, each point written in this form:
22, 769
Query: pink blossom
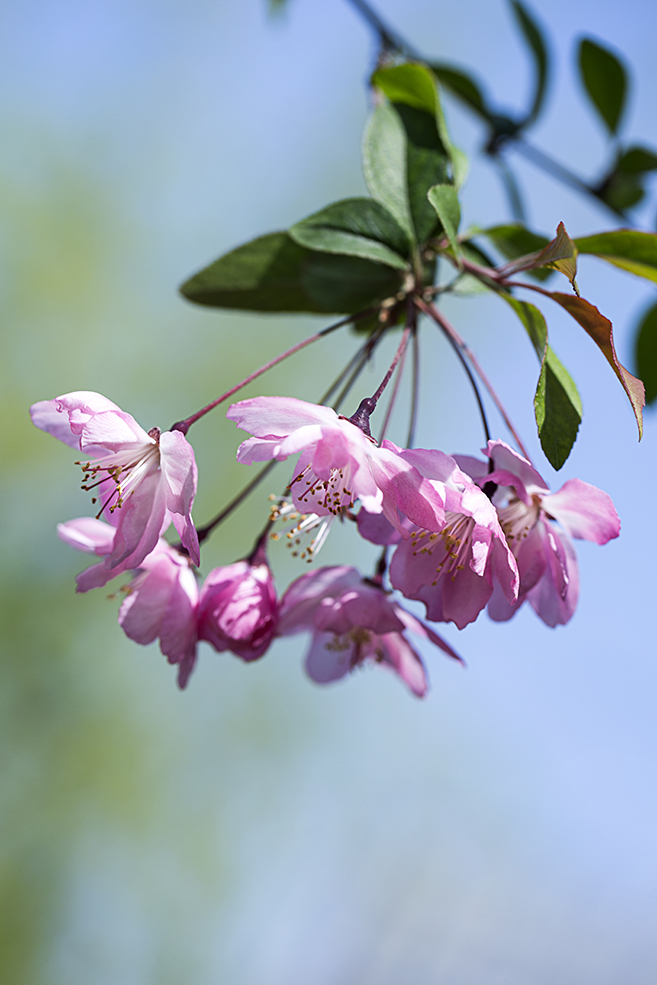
354, 622
238, 610
547, 562
143, 481
452, 570
162, 603
339, 462
161, 600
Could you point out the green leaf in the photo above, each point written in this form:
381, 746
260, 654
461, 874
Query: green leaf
560, 254
600, 330
646, 352
415, 86
534, 38
385, 164
359, 227
463, 86
628, 249
445, 201
412, 84
637, 160
557, 403
273, 273
605, 81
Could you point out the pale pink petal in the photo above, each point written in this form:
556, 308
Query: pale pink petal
178, 631
302, 597
405, 490
97, 576
87, 534
65, 416
178, 467
459, 600
259, 450
473, 467
143, 519
360, 607
141, 612
421, 629
400, 657
584, 511
498, 608
268, 417
504, 457
377, 529
554, 598
504, 568
329, 659
429, 462
502, 477
185, 667
113, 430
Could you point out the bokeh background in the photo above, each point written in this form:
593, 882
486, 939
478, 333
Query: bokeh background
258, 829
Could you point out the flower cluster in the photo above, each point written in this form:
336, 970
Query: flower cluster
463, 533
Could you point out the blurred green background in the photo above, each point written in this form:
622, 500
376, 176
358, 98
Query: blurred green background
257, 828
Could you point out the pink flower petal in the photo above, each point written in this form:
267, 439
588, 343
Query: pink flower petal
268, 417
585, 511
328, 660
143, 519
400, 657
65, 416
87, 534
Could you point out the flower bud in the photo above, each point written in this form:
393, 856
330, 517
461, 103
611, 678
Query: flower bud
238, 610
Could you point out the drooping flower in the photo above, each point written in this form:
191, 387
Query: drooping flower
238, 609
452, 570
538, 526
162, 603
339, 461
142, 481
161, 600
354, 622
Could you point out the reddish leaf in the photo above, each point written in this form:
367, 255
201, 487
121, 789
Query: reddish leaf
560, 254
600, 330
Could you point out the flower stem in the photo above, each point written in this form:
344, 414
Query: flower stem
204, 532
393, 398
361, 358
398, 355
185, 425
415, 399
460, 345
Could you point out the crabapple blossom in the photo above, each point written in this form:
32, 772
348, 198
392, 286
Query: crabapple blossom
547, 561
354, 621
452, 570
143, 481
238, 608
339, 461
